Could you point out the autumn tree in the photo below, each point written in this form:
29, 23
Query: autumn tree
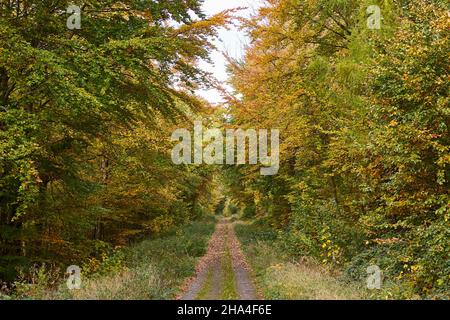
363, 115
85, 115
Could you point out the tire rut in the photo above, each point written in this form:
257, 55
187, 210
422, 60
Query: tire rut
223, 238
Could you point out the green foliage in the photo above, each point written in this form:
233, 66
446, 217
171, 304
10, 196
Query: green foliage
220, 206
248, 212
85, 123
364, 117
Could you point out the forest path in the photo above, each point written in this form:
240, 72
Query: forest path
222, 273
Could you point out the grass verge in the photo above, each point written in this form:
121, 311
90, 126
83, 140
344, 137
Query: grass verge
279, 277
153, 269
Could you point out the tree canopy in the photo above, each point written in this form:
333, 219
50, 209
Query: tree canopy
364, 119
85, 122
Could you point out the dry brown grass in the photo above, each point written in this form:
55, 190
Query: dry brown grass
128, 285
281, 278
300, 281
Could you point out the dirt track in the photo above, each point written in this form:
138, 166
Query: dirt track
210, 280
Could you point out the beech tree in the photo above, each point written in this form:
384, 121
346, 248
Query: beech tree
85, 120
363, 115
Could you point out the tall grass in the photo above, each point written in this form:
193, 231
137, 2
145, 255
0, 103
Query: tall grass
153, 269
281, 277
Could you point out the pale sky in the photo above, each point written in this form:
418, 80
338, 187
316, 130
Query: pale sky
230, 41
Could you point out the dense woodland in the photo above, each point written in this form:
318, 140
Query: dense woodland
85, 123
86, 117
364, 122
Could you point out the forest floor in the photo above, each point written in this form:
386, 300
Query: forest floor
222, 273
